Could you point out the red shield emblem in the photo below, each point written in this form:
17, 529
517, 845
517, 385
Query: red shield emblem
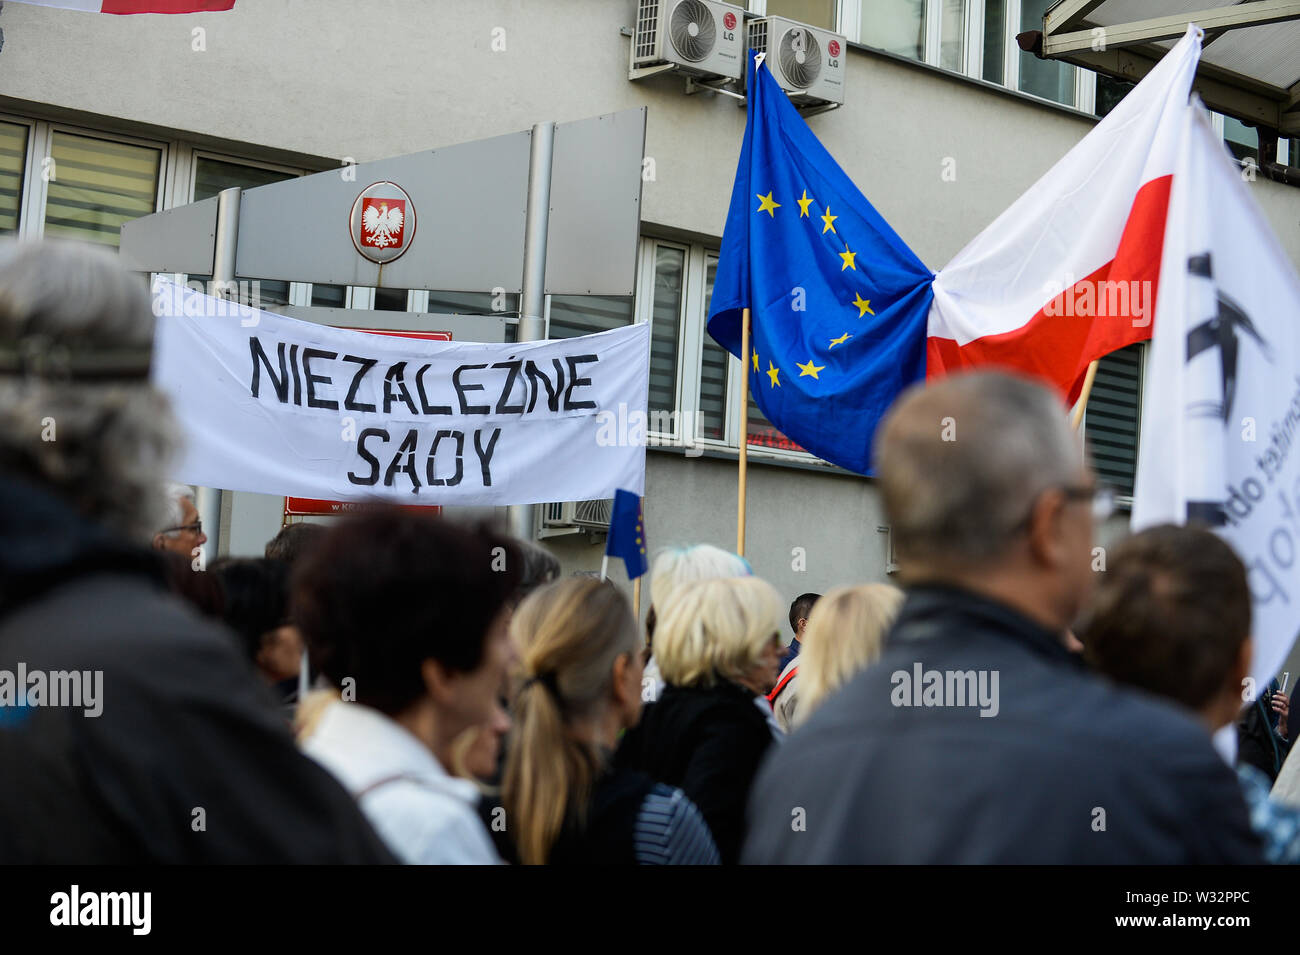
383, 222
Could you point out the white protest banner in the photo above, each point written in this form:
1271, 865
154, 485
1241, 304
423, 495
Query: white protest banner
1222, 404
279, 406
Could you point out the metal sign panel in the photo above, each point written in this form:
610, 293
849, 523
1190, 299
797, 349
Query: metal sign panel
178, 240
471, 201
471, 206
595, 197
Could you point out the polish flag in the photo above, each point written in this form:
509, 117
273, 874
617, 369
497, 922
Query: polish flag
137, 6
1069, 272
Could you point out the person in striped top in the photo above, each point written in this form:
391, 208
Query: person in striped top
581, 667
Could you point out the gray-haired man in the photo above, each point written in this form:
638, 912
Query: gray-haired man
180, 756
978, 737
184, 531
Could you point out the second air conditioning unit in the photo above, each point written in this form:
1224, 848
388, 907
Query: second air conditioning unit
574, 516
806, 62
701, 38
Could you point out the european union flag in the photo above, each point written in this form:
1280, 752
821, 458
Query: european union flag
627, 533
838, 303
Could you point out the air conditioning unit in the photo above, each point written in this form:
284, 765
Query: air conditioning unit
701, 38
806, 62
572, 516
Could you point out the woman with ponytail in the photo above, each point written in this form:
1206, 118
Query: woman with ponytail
582, 672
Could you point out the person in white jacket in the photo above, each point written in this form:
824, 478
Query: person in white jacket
407, 617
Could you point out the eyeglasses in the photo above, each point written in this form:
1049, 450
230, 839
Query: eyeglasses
195, 528
1101, 496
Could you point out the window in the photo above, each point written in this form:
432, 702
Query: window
1112, 418
952, 35
817, 13
994, 40
1050, 79
1109, 92
213, 175
574, 315
97, 185
896, 26
1242, 141
329, 296
665, 325
972, 37
473, 303
693, 381
13, 161
391, 299
715, 368
762, 433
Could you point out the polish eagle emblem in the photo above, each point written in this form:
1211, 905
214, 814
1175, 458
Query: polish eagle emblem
382, 221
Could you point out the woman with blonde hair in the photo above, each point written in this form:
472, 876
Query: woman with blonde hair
674, 566
582, 671
845, 634
719, 649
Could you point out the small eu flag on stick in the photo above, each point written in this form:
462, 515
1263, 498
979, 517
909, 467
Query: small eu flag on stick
626, 536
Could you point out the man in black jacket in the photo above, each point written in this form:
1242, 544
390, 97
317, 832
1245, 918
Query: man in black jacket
130, 728
977, 737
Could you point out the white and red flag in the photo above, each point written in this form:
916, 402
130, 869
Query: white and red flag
1069, 272
137, 6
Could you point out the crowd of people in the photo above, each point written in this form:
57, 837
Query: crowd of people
405, 688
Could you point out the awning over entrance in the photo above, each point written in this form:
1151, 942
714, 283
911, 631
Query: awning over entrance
1250, 68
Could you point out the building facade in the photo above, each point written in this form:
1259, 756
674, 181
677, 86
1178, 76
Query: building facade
945, 122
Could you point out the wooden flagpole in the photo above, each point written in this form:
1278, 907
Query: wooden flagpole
1077, 418
636, 598
744, 431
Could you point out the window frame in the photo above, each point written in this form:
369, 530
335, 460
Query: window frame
1085, 80
25, 214
692, 327
39, 186
643, 312
730, 419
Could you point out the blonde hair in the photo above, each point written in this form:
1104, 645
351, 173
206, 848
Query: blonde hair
845, 634
569, 635
675, 566
716, 629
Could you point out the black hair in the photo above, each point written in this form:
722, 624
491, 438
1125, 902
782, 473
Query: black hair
256, 598
387, 589
800, 608
293, 541
199, 588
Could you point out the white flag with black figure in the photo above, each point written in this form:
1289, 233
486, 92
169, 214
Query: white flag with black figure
1222, 412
